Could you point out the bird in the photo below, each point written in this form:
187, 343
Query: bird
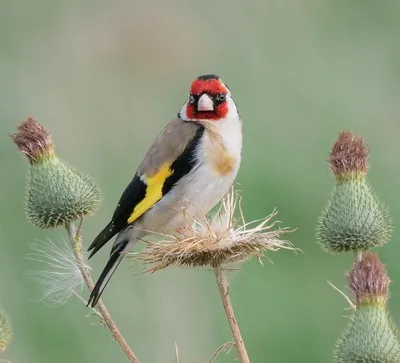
189, 167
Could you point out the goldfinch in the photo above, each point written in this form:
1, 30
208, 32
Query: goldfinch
190, 166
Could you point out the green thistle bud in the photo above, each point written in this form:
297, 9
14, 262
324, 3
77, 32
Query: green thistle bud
56, 193
371, 336
5, 331
353, 219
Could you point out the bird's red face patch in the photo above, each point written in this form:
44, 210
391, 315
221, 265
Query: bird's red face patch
216, 91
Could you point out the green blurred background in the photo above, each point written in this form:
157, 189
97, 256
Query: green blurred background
106, 76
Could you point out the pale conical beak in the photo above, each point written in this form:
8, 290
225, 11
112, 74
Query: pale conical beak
205, 103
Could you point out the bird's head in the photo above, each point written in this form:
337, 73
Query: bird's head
209, 100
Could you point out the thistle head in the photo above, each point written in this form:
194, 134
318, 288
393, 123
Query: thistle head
215, 241
56, 193
371, 335
354, 218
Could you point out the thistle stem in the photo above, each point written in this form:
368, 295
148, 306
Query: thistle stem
76, 240
358, 256
223, 288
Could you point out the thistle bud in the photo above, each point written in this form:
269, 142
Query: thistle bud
5, 331
56, 193
371, 335
354, 219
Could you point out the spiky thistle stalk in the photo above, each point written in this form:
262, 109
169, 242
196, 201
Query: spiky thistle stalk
354, 219
56, 193
371, 336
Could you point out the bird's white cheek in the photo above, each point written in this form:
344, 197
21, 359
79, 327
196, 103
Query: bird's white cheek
182, 112
232, 109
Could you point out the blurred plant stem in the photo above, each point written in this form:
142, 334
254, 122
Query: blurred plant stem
76, 241
358, 255
223, 288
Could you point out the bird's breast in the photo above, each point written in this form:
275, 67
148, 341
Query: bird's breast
221, 147
219, 159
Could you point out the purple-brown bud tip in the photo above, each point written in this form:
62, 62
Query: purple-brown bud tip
369, 281
348, 157
33, 140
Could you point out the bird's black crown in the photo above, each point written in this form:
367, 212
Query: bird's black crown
205, 77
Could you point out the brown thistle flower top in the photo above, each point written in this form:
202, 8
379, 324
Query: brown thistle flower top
349, 155
369, 281
33, 140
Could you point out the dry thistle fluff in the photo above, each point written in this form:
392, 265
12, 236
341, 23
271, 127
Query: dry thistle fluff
60, 275
349, 155
216, 241
368, 280
33, 139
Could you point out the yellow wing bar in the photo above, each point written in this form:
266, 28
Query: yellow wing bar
153, 191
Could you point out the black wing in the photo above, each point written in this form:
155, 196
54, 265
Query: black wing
132, 195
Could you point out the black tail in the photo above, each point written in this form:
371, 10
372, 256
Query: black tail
103, 237
112, 264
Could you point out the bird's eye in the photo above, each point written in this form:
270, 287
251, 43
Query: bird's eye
220, 97
192, 99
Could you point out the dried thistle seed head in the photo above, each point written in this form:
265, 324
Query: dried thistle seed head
56, 193
348, 158
216, 241
369, 281
5, 331
33, 140
354, 218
